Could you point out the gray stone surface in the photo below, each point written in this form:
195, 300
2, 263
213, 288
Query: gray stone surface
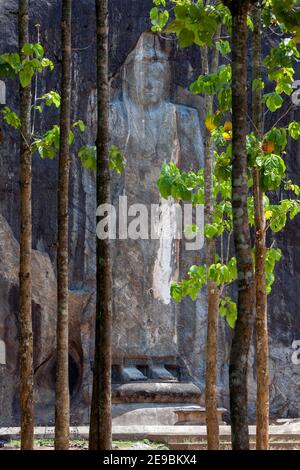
2, 92
151, 131
195, 416
44, 323
146, 320
132, 374
154, 432
160, 373
146, 414
156, 392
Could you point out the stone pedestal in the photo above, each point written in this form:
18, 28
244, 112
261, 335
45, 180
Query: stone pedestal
152, 403
195, 416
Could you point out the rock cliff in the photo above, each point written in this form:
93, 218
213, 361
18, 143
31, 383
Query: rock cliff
147, 316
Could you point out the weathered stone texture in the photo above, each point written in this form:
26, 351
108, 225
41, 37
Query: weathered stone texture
44, 324
147, 322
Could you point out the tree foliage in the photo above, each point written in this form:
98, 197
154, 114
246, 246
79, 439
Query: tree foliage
196, 23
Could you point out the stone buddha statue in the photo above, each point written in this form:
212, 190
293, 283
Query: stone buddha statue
150, 130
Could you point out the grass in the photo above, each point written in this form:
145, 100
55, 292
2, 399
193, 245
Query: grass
126, 445
83, 444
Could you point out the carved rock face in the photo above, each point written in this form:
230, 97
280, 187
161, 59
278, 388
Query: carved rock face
150, 130
146, 77
141, 314
44, 325
2, 92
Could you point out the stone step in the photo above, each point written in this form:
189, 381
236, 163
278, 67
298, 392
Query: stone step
276, 445
167, 434
195, 415
179, 439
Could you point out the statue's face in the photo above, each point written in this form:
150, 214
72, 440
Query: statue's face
147, 82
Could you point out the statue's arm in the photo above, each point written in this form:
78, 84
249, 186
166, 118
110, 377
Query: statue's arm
190, 138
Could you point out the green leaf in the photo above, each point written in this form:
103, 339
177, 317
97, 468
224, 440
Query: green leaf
11, 118
225, 98
294, 130
223, 274
56, 136
186, 38
174, 26
181, 11
181, 191
28, 49
284, 86
250, 23
258, 84
278, 136
166, 179
10, 64
196, 12
191, 286
253, 149
210, 230
26, 75
79, 124
273, 101
278, 223
164, 186
272, 169
38, 50
52, 98
176, 292
228, 310
158, 19
88, 158
48, 145
272, 257
47, 63
116, 159
223, 47
71, 138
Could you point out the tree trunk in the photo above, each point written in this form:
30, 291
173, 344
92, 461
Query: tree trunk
62, 398
100, 423
211, 401
262, 347
25, 320
242, 240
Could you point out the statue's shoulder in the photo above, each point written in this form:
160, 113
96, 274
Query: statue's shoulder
190, 135
188, 115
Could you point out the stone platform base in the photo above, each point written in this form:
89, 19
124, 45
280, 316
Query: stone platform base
147, 414
152, 403
196, 416
156, 433
156, 392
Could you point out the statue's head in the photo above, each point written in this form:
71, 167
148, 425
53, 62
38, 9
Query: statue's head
146, 72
